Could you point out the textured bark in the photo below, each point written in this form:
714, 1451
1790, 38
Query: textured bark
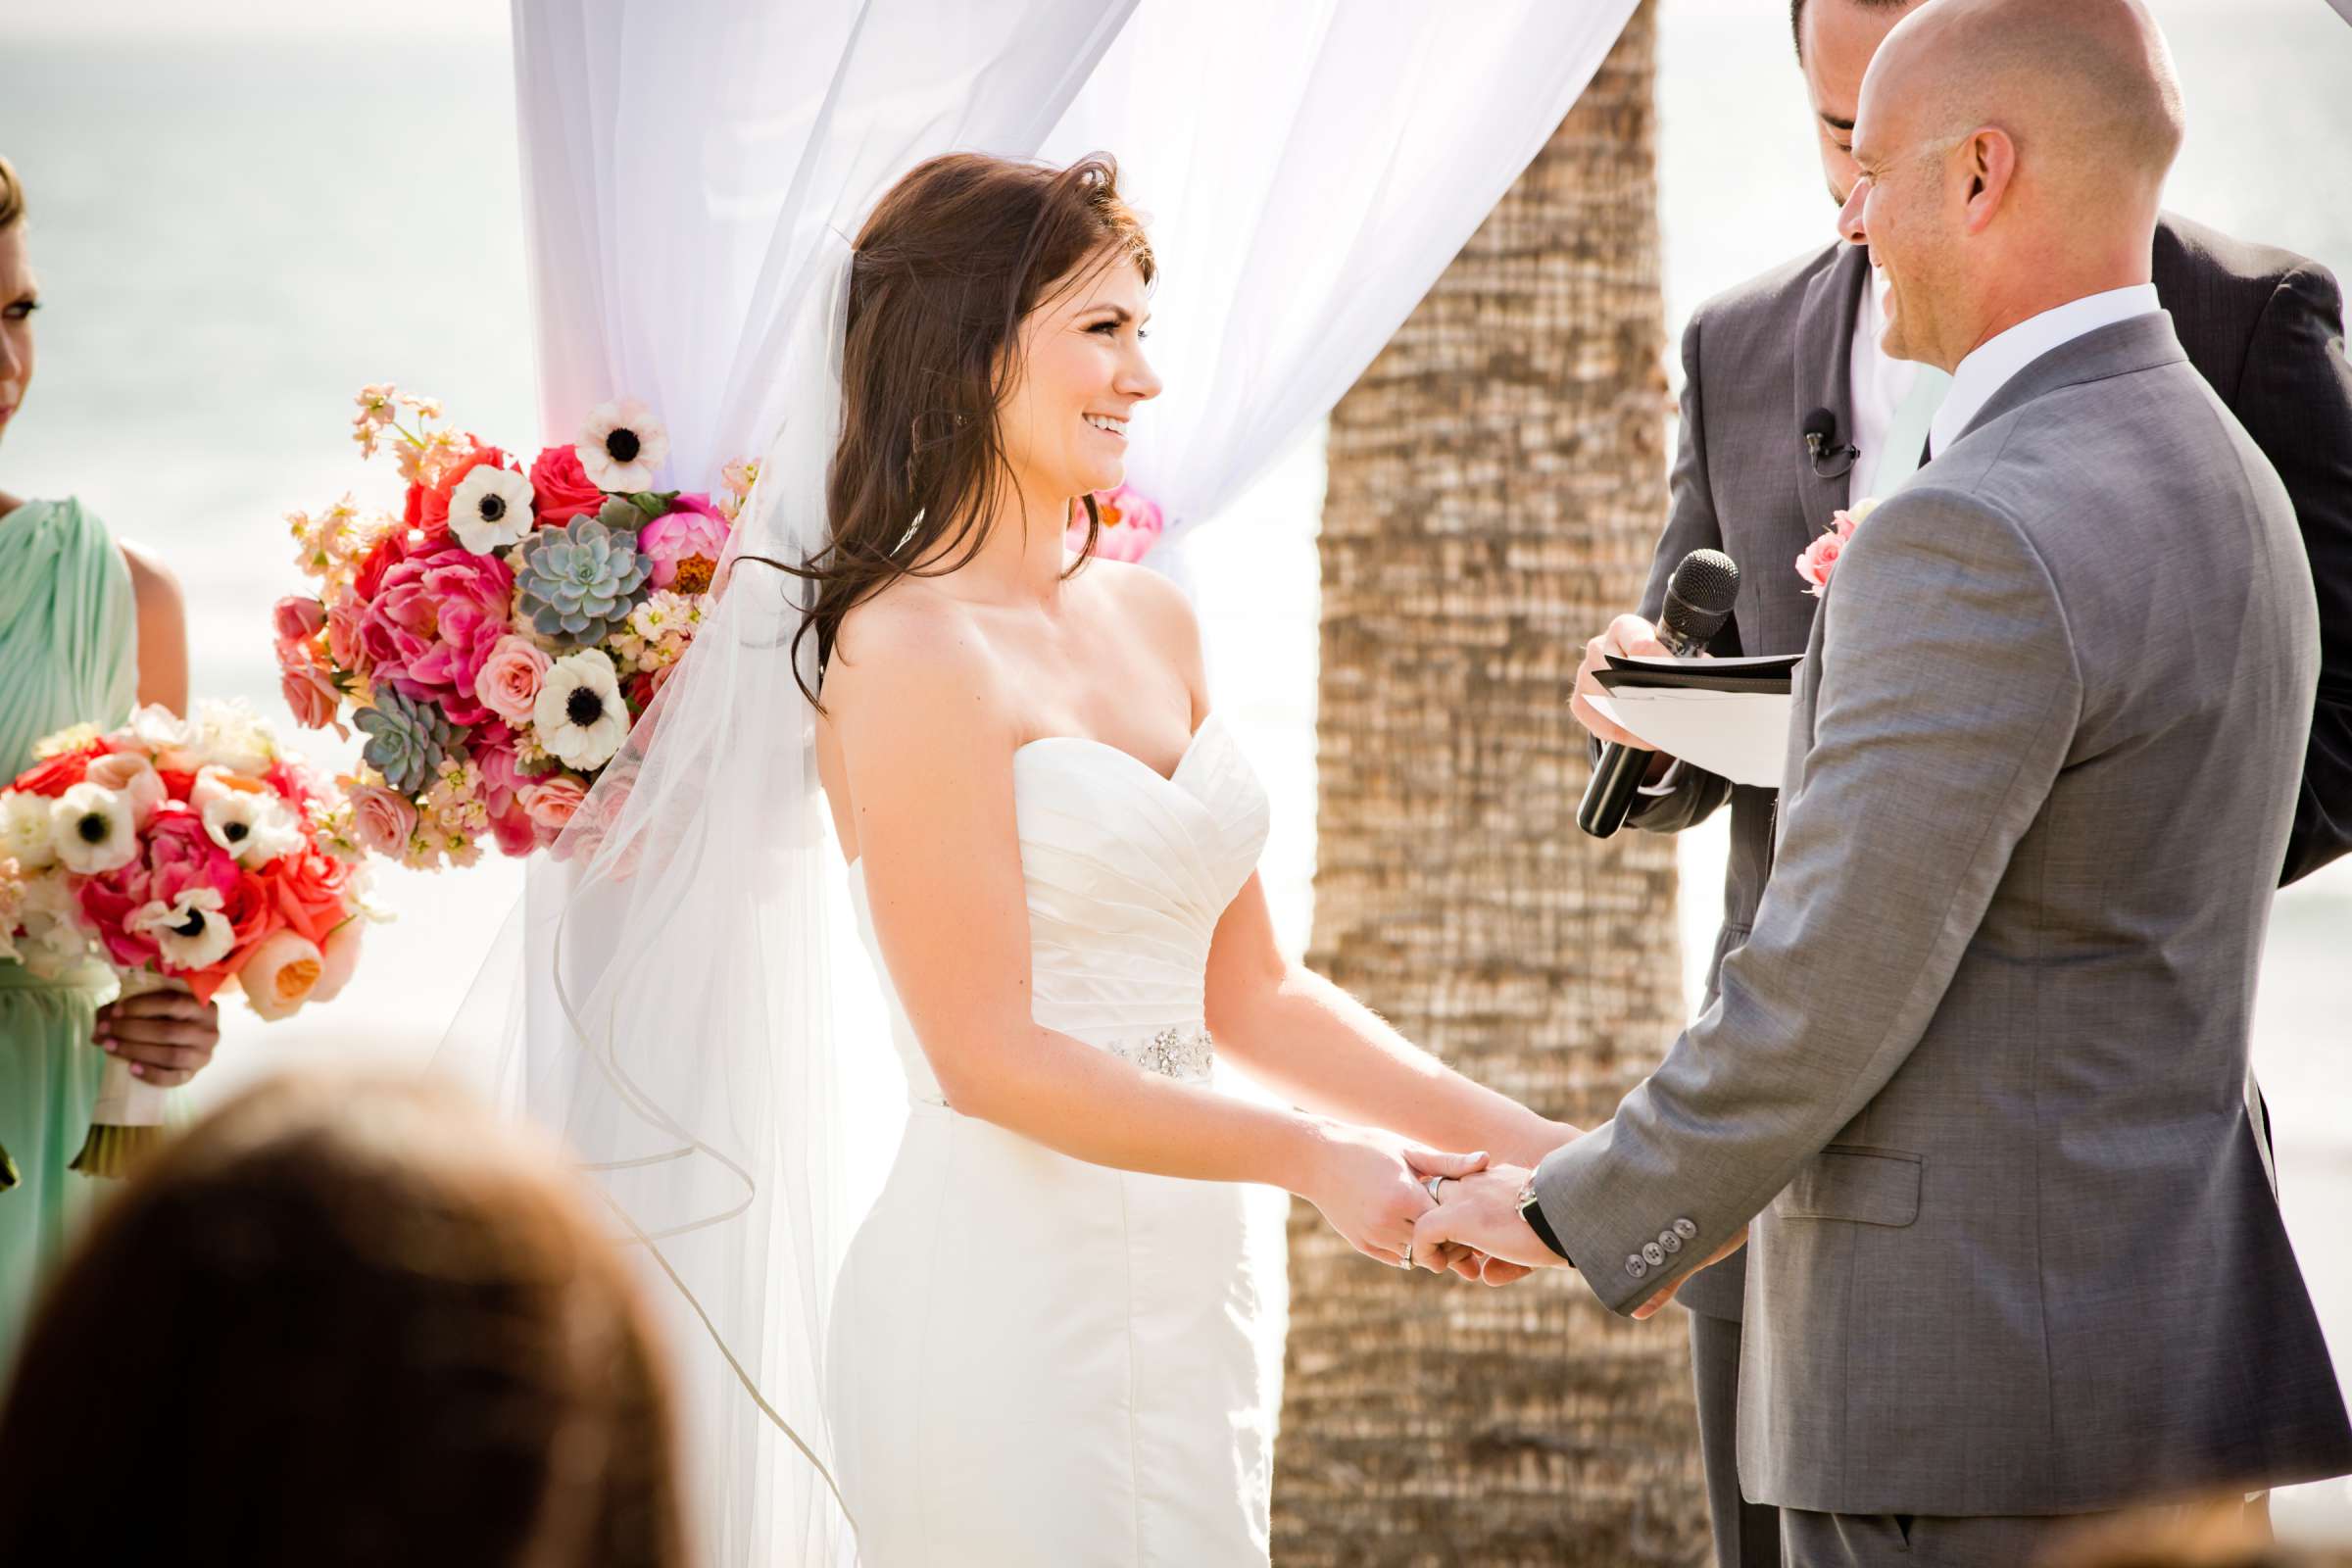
1498, 481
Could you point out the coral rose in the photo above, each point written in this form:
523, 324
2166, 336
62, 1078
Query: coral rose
552, 801
564, 488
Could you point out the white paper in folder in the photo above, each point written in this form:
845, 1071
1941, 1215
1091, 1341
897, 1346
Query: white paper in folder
1741, 733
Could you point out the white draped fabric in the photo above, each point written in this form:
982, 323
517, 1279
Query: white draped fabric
1308, 169
693, 170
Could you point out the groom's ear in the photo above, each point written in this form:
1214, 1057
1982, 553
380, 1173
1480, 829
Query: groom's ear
1989, 162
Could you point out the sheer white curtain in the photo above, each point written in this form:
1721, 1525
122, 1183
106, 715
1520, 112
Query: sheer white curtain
1309, 168
692, 173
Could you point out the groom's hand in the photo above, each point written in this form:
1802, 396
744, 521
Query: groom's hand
1481, 1211
1628, 636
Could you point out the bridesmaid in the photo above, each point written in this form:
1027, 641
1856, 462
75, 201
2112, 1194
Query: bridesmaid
86, 627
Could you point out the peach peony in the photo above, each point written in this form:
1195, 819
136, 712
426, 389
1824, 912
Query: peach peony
281, 973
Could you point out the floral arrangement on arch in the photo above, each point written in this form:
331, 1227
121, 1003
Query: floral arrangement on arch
496, 638
191, 854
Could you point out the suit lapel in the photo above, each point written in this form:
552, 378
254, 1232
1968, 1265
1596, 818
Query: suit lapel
1824, 361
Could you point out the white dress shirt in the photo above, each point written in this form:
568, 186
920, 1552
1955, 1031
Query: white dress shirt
1994, 362
1876, 384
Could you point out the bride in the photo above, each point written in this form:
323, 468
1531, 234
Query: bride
1042, 1337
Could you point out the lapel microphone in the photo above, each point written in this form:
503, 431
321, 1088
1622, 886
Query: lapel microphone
1821, 434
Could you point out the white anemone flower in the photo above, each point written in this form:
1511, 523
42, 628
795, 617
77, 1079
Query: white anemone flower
621, 445
24, 834
93, 829
579, 716
491, 509
254, 826
190, 932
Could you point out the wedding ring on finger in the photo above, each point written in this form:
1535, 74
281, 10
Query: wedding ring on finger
1433, 1184
1409, 1256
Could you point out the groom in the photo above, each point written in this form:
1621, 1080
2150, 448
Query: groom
1977, 1073
2262, 326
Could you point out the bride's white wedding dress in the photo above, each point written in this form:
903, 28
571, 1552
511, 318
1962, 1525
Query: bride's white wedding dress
1036, 1360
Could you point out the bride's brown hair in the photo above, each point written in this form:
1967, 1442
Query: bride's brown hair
947, 267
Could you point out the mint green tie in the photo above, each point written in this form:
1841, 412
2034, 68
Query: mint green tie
1908, 436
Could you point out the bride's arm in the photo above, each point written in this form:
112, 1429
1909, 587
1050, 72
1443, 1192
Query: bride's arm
928, 754
1318, 1046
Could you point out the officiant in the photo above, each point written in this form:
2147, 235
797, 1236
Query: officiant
1797, 351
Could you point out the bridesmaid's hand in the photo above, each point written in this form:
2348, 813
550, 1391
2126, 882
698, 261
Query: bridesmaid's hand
167, 1036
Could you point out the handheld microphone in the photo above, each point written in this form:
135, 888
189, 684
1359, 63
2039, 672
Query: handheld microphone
1698, 601
1821, 440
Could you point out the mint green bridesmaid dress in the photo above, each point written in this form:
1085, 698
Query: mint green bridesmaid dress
68, 654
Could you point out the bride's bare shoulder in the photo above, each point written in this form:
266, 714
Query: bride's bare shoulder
911, 656
1149, 605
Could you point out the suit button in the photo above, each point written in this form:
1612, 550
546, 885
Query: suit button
1685, 1230
1669, 1240
1635, 1266
1653, 1254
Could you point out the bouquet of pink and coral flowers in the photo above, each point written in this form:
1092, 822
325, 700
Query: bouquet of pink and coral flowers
496, 638
177, 852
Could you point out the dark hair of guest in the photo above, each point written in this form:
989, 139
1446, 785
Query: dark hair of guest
947, 267
347, 1319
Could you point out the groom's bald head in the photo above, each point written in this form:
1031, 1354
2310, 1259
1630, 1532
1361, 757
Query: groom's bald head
2014, 155
2085, 87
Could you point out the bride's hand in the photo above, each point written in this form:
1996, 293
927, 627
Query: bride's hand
1369, 1185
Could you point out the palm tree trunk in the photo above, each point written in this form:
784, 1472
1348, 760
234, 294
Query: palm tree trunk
1498, 481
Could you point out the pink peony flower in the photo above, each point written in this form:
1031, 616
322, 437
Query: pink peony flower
433, 624
693, 535
1132, 525
507, 683
552, 801
384, 821
181, 857
562, 487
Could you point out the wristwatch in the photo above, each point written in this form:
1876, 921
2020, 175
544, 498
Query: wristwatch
1531, 1210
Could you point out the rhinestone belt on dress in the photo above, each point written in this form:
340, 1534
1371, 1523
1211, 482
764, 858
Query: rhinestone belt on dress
1186, 1053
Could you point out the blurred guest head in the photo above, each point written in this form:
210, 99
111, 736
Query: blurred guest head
19, 297
347, 1319
1835, 41
2011, 157
992, 358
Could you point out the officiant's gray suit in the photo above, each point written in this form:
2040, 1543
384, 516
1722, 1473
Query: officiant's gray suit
2263, 325
1977, 1073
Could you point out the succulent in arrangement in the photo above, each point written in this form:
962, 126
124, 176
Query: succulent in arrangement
577, 584
407, 738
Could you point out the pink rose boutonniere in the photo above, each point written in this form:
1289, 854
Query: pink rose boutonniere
1820, 559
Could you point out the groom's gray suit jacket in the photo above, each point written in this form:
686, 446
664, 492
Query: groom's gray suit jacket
1979, 1072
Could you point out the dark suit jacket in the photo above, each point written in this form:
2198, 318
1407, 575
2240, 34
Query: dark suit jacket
2263, 327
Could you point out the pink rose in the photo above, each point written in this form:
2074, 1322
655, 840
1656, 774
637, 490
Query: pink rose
507, 683
296, 618
562, 487
433, 624
343, 625
311, 698
1132, 525
1820, 559
552, 801
383, 820
692, 535
514, 831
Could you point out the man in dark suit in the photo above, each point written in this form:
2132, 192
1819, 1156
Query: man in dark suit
2263, 327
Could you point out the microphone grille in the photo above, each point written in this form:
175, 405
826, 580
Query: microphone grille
1700, 595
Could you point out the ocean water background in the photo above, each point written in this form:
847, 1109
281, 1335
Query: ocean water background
241, 216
